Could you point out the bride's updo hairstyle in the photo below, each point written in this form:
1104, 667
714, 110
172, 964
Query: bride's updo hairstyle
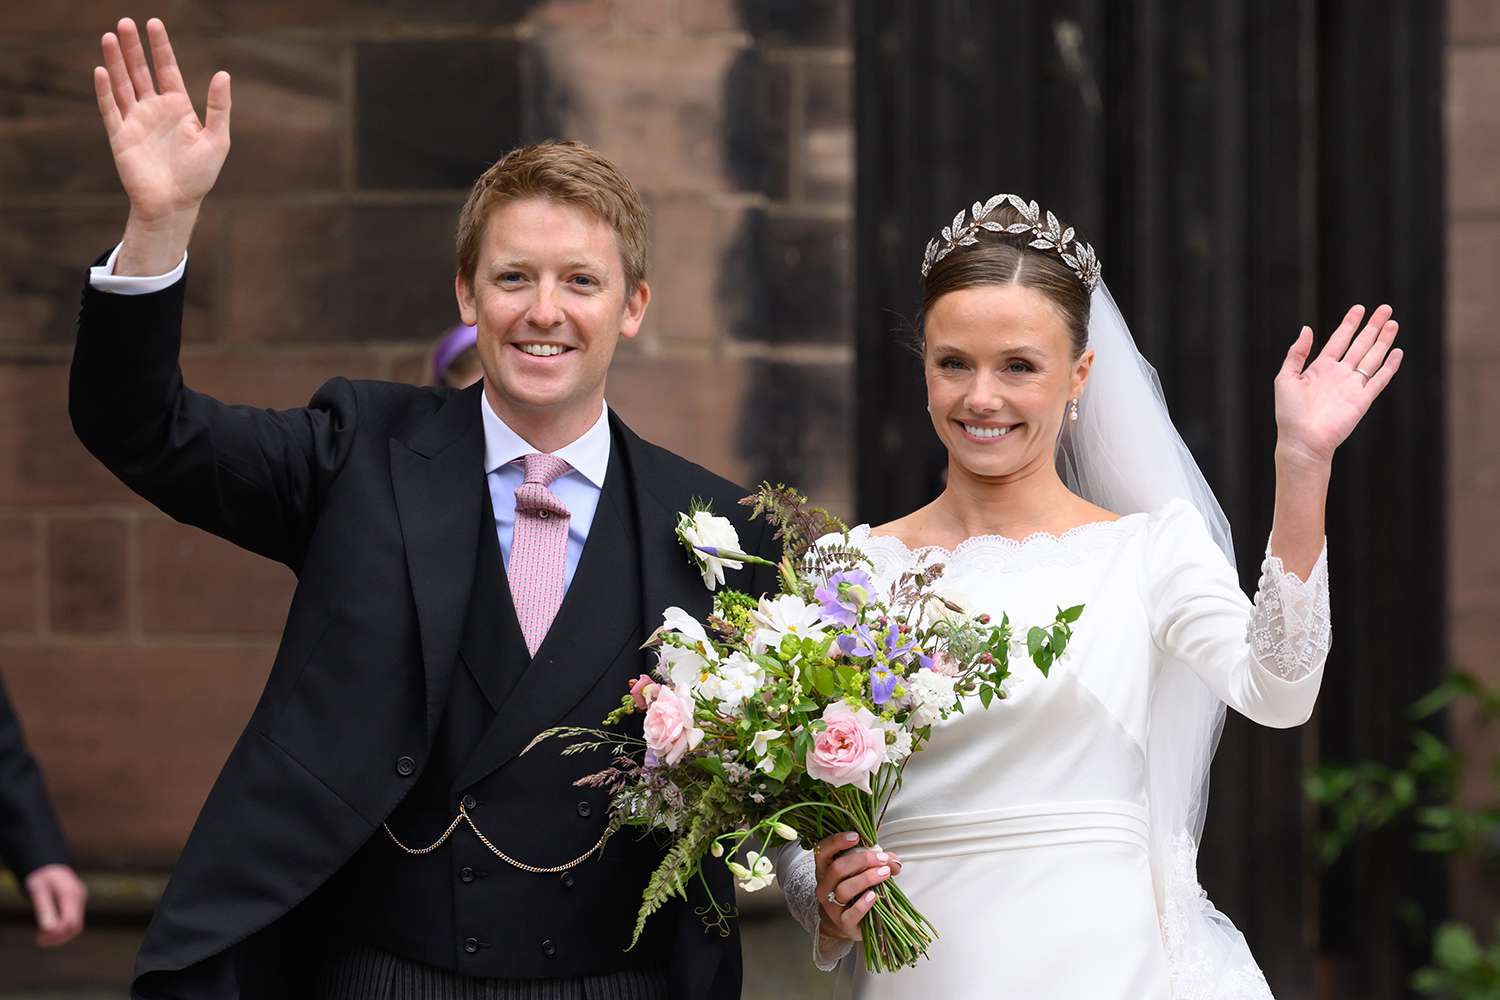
1009, 242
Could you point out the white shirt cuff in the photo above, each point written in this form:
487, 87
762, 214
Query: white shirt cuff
103, 277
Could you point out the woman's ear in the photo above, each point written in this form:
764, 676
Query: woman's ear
1081, 370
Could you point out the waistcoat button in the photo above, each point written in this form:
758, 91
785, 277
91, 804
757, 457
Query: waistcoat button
548, 948
405, 766
585, 810
471, 945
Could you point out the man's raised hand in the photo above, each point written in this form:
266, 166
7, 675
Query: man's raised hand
167, 159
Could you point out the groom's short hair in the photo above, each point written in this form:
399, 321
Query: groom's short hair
568, 172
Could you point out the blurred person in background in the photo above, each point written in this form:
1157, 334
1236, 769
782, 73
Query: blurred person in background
455, 358
31, 842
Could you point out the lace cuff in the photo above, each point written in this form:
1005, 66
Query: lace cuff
797, 872
1290, 629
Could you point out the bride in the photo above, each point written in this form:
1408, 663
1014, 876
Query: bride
1052, 839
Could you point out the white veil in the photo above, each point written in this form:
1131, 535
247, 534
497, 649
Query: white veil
1124, 454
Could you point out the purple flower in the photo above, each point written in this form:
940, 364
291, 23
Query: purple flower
882, 683
843, 595
858, 643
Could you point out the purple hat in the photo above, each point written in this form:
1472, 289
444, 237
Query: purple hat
454, 343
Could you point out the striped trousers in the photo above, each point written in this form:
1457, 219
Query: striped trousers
360, 972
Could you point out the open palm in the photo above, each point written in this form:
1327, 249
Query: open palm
166, 158
1318, 405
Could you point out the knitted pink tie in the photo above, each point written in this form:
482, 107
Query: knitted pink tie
538, 549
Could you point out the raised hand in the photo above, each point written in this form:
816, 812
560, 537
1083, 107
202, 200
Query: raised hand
1318, 405
167, 159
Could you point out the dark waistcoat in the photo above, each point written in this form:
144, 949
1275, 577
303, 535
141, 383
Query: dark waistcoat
460, 907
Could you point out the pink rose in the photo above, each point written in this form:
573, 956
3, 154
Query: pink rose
643, 691
850, 750
669, 726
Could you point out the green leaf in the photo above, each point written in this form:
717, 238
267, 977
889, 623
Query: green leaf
1454, 947
1035, 640
986, 693
823, 679
711, 765
1071, 614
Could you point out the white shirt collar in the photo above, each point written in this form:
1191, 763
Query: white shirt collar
588, 455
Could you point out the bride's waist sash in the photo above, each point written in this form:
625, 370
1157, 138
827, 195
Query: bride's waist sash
1042, 824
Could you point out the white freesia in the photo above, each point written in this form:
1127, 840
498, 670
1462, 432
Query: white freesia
931, 695
684, 624
711, 531
782, 616
760, 745
760, 872
739, 678
687, 671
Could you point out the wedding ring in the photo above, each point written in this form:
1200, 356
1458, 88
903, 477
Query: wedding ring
832, 898
1364, 373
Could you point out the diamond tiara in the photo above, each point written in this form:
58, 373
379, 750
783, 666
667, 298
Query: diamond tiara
1048, 235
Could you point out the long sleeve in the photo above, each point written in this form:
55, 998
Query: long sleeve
796, 871
29, 834
253, 476
1264, 658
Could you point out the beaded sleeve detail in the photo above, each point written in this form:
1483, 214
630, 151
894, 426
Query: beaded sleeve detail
797, 873
1291, 629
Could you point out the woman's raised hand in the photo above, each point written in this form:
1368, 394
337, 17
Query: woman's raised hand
1319, 404
166, 158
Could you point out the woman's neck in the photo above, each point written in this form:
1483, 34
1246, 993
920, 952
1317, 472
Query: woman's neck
1034, 500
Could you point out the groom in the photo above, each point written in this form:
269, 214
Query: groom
474, 566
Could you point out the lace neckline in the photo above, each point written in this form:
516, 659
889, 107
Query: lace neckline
1003, 541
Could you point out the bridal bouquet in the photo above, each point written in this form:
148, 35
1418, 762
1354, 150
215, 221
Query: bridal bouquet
791, 716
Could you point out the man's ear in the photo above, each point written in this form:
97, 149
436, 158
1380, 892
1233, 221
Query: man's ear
635, 310
468, 309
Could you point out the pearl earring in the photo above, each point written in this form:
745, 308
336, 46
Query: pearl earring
1073, 410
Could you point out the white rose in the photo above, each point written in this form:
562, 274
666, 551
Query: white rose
705, 530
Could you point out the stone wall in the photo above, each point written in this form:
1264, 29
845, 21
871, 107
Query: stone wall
1473, 418
135, 647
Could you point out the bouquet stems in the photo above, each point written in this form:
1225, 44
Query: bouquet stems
894, 933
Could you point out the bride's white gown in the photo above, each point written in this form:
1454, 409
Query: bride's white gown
1024, 829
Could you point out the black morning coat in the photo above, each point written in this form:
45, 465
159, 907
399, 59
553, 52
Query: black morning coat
29, 834
374, 496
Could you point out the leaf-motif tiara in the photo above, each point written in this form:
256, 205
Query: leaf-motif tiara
1048, 235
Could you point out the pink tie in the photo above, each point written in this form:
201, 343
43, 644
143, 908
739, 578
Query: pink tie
538, 549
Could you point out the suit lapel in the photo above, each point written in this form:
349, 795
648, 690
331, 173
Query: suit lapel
437, 473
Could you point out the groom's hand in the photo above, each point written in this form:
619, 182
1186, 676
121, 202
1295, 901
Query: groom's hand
847, 879
167, 159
